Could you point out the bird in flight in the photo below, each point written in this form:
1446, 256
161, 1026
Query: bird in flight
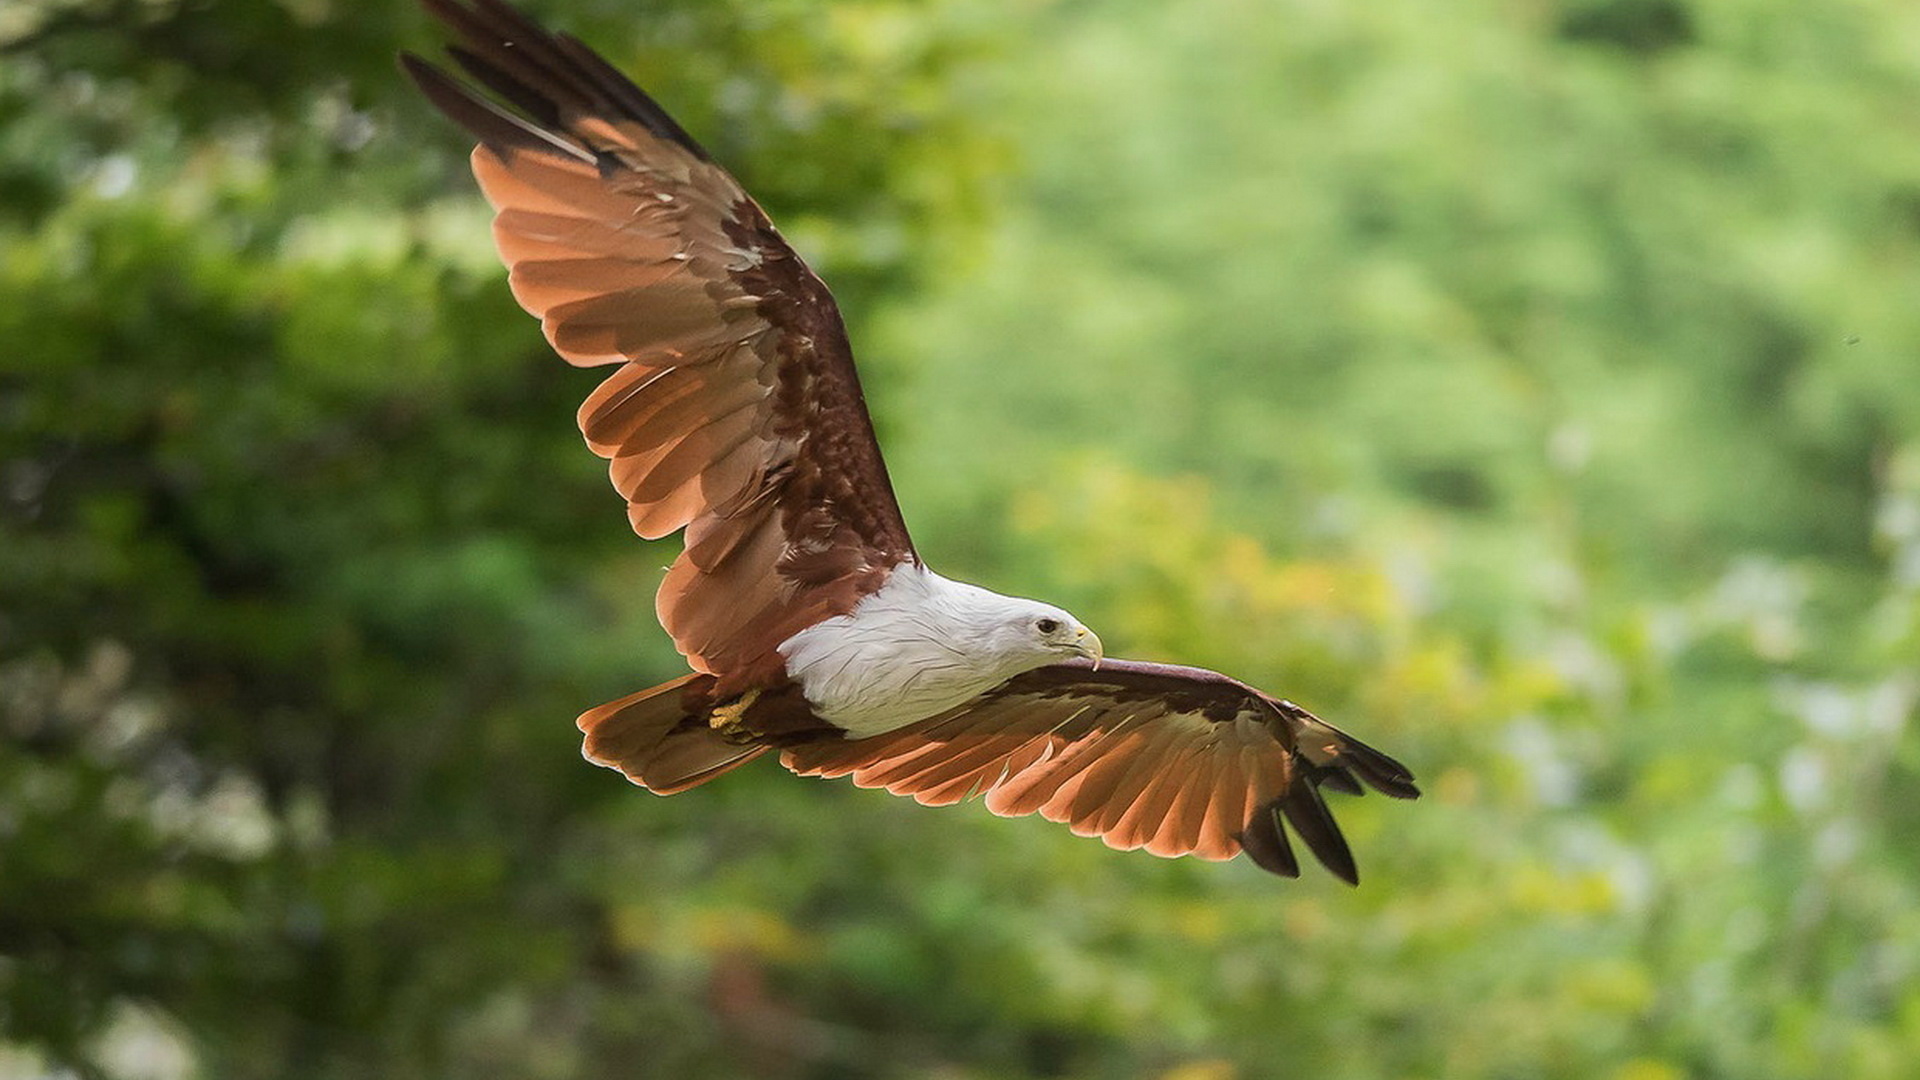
812, 627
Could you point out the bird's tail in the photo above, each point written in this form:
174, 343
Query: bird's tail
660, 737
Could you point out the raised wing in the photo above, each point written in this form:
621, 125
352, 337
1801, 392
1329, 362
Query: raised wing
736, 411
1175, 760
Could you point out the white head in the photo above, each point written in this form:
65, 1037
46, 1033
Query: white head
1026, 634
923, 643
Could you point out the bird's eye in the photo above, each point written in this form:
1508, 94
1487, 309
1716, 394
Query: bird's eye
1047, 626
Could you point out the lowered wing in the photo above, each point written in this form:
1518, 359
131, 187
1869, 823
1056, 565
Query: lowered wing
1175, 760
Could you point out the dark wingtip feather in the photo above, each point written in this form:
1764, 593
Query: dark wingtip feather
549, 76
1382, 773
1309, 816
501, 131
1349, 755
490, 75
627, 94
455, 100
1332, 776
1265, 842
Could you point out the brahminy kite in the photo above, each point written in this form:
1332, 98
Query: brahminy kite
811, 625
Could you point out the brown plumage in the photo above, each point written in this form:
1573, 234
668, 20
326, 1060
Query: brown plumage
1175, 760
735, 413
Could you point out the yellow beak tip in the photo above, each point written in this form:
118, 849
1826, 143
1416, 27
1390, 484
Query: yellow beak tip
1090, 647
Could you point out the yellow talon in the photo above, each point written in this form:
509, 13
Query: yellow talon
725, 719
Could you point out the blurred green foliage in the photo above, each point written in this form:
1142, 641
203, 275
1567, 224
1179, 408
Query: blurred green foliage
1533, 388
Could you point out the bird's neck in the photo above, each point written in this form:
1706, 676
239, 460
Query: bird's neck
917, 646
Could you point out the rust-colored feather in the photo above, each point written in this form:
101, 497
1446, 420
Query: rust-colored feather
660, 739
1141, 825
737, 393
1174, 760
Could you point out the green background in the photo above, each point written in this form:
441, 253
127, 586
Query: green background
1530, 386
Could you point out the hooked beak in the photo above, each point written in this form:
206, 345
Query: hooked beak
1087, 644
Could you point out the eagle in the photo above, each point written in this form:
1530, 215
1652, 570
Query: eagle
812, 627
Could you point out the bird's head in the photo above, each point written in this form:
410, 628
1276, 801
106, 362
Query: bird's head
1050, 635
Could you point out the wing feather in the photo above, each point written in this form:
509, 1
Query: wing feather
1141, 773
949, 777
524, 235
1227, 815
1024, 791
543, 285
905, 767
691, 457
1186, 813
527, 181
1176, 760
662, 406
1100, 785
736, 394
1140, 826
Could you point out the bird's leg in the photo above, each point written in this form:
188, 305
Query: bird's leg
725, 720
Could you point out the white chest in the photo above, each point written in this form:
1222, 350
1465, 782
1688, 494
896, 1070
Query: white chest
919, 646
